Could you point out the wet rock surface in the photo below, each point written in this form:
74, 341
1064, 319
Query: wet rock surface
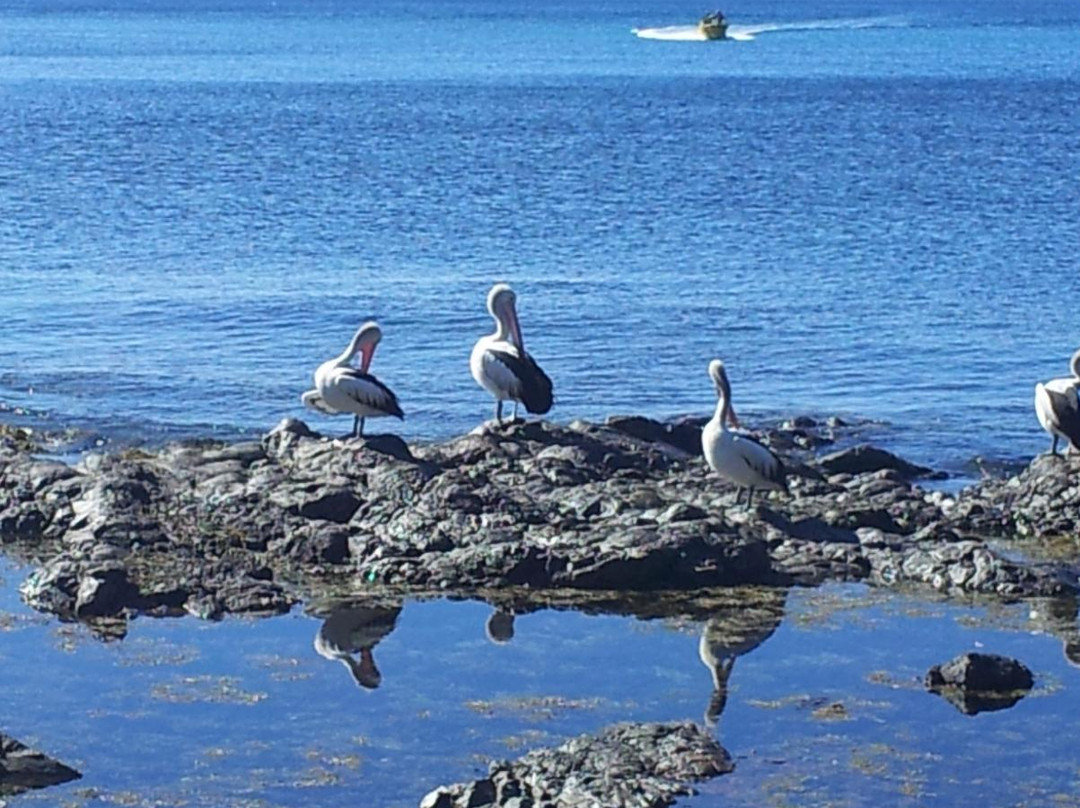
625, 766
23, 769
976, 683
209, 528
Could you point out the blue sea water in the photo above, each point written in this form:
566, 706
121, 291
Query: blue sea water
866, 208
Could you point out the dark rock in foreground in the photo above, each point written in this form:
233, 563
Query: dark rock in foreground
23, 769
209, 528
625, 766
976, 683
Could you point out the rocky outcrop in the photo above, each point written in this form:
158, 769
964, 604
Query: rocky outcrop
209, 528
625, 766
23, 769
1041, 502
976, 683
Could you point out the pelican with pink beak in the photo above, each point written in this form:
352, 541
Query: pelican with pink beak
738, 458
500, 364
341, 388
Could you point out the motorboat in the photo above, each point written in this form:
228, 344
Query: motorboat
713, 26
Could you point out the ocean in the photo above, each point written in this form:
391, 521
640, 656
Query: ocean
865, 208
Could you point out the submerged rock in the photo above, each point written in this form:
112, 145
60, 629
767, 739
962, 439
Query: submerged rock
23, 769
625, 766
975, 683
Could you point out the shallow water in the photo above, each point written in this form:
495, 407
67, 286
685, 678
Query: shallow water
863, 211
245, 712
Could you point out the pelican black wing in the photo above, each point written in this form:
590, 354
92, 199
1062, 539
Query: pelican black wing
1068, 417
534, 386
774, 471
384, 397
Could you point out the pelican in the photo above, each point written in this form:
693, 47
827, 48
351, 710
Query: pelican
738, 458
500, 364
1057, 407
341, 388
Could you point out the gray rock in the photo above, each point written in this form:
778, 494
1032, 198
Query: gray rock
105, 592
23, 769
625, 766
208, 528
976, 683
862, 459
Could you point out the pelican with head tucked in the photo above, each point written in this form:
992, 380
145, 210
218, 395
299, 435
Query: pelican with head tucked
500, 364
339, 387
738, 458
1058, 408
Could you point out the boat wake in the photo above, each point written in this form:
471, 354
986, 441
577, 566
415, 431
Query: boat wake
746, 33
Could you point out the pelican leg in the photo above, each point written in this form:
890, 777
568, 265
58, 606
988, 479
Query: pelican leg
498, 410
515, 409
749, 496
1053, 447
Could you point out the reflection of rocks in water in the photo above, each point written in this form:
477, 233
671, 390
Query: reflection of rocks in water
1058, 617
351, 632
22, 769
624, 766
500, 626
975, 683
738, 625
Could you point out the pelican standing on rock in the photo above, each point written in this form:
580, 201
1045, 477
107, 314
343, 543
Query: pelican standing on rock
738, 458
1058, 409
500, 364
340, 387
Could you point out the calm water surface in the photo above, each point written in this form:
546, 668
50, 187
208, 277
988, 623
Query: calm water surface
244, 713
868, 208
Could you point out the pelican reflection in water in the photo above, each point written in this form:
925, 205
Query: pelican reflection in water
499, 627
1059, 617
743, 621
350, 634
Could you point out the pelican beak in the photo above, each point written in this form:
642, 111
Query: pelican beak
733, 419
515, 328
366, 353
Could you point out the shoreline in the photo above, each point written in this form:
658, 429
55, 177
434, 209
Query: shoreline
210, 528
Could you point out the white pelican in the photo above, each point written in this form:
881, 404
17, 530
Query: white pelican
738, 458
1058, 409
500, 364
341, 388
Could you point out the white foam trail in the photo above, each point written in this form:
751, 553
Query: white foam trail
672, 33
745, 33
